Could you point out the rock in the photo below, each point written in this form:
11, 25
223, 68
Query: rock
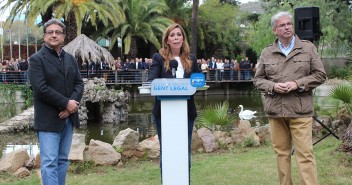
245, 133
12, 161
22, 172
127, 140
102, 153
223, 138
30, 163
37, 161
77, 147
263, 133
197, 144
208, 139
151, 147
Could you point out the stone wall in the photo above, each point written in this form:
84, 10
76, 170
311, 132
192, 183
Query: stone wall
114, 102
114, 107
7, 97
329, 62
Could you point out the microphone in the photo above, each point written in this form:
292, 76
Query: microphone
173, 66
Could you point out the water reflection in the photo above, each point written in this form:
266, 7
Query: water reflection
11, 141
140, 119
9, 110
32, 149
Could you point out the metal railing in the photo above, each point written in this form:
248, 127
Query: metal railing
134, 76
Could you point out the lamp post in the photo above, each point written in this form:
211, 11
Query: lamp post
1, 42
10, 43
36, 47
19, 44
119, 44
27, 29
27, 38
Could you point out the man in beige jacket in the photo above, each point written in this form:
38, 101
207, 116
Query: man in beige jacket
288, 71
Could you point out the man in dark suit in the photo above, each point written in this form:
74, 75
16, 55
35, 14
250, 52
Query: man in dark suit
57, 90
212, 68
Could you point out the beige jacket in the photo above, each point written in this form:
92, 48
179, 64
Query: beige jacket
302, 65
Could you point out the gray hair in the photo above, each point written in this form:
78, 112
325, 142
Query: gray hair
277, 16
54, 21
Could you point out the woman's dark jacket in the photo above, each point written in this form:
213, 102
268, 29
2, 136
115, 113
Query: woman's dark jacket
157, 70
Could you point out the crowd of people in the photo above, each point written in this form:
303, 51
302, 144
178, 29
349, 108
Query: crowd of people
131, 70
13, 71
227, 69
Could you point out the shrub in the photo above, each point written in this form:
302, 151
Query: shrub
215, 115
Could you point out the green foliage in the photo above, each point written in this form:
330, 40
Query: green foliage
118, 149
342, 92
335, 21
340, 72
249, 142
239, 166
144, 20
79, 167
217, 23
215, 114
12, 88
107, 11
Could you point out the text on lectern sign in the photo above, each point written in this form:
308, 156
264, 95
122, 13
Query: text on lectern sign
172, 86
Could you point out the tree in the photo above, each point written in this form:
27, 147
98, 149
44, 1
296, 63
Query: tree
75, 12
178, 11
335, 24
194, 27
144, 20
218, 33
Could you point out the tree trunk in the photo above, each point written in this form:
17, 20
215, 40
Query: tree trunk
71, 27
47, 15
133, 51
194, 27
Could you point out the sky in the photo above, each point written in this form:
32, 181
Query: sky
246, 1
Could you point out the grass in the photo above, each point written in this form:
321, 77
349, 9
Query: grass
239, 165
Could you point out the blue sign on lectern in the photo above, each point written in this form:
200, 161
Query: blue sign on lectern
172, 87
197, 80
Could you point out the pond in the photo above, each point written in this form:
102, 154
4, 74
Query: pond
139, 119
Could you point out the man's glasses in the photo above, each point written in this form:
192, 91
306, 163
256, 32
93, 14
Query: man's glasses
57, 32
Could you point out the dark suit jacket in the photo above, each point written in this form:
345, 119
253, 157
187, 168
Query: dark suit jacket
157, 70
54, 83
210, 65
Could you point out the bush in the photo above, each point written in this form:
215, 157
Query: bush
215, 115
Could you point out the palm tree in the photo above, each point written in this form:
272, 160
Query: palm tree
73, 11
194, 27
143, 20
215, 115
177, 11
342, 92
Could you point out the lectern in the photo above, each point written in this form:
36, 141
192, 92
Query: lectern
173, 94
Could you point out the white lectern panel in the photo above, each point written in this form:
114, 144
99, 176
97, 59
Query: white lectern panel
174, 129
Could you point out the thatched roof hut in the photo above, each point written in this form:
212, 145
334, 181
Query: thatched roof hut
85, 50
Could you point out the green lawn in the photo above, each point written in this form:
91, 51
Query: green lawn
252, 166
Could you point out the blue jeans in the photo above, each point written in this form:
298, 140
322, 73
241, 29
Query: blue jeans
247, 74
54, 151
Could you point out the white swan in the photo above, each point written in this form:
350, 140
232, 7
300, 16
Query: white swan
246, 114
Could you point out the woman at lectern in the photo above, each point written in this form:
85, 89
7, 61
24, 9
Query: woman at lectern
175, 48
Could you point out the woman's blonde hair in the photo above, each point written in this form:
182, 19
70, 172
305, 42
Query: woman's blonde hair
165, 51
